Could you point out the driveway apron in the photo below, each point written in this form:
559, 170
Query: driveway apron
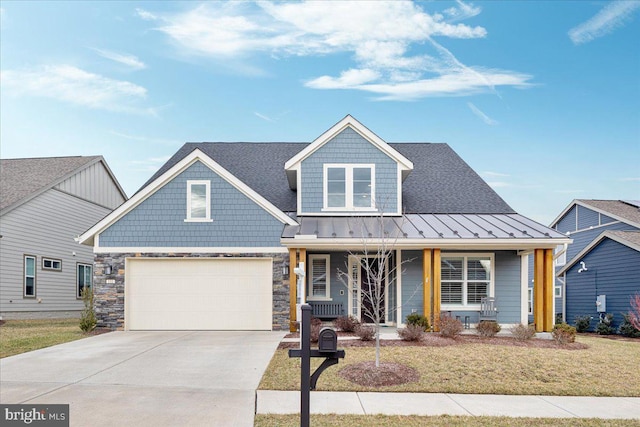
170, 378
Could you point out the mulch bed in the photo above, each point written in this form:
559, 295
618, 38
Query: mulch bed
387, 374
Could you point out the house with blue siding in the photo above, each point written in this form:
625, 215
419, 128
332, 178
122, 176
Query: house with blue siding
233, 236
600, 271
45, 203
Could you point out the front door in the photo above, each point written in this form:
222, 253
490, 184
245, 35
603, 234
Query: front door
373, 287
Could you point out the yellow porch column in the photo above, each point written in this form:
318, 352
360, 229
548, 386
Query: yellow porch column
543, 290
426, 284
293, 261
548, 290
435, 280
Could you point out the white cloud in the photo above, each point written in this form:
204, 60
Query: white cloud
264, 117
496, 174
144, 138
610, 17
499, 184
151, 164
147, 16
475, 110
131, 61
74, 85
391, 42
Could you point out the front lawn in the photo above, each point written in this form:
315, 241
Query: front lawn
605, 368
20, 336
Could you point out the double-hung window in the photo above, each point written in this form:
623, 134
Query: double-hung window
349, 187
319, 279
198, 201
465, 279
29, 276
84, 278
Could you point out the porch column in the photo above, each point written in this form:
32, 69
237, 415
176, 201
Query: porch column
293, 262
543, 290
436, 289
426, 284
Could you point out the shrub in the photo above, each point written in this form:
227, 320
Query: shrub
522, 332
627, 329
558, 318
88, 316
314, 333
634, 314
418, 320
411, 333
605, 327
365, 332
488, 328
583, 323
346, 323
450, 327
563, 333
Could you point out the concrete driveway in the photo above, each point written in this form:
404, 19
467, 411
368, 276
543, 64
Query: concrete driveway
146, 378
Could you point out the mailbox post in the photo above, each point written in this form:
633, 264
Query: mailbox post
327, 348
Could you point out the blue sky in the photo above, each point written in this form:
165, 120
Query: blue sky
542, 99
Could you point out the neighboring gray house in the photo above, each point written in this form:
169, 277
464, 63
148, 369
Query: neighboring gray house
603, 260
44, 204
211, 241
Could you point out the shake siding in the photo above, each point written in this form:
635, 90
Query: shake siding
94, 184
159, 220
45, 227
614, 271
348, 147
568, 222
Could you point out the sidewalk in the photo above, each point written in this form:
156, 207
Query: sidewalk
367, 403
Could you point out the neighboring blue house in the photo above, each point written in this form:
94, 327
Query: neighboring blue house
214, 239
603, 260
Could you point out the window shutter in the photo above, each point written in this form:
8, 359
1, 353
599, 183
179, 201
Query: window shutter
319, 277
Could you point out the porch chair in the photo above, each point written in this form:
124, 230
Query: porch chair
488, 309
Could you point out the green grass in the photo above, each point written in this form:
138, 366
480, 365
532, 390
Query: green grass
436, 421
606, 368
20, 336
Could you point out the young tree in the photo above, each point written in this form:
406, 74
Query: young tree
634, 314
379, 237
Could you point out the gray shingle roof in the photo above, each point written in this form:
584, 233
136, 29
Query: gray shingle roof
632, 237
617, 208
22, 178
441, 181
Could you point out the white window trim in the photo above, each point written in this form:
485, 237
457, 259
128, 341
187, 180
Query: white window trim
78, 291
348, 175
560, 255
557, 291
24, 275
207, 185
464, 306
52, 260
327, 296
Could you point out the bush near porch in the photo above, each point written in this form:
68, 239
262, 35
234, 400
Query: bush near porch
605, 368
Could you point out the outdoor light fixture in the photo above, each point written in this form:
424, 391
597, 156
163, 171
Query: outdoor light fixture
107, 269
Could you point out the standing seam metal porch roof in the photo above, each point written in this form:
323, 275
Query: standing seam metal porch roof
423, 226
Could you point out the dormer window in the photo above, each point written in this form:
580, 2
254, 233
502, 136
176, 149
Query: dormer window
198, 201
349, 187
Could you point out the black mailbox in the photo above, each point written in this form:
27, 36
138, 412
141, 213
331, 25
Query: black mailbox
327, 341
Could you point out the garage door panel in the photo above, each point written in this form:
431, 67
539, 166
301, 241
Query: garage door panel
192, 294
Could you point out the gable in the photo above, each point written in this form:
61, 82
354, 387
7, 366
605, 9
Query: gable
175, 171
159, 220
628, 239
348, 147
582, 214
96, 184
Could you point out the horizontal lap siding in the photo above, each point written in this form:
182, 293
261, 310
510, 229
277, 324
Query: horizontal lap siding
507, 286
159, 220
45, 227
613, 270
348, 147
567, 222
587, 218
582, 239
411, 284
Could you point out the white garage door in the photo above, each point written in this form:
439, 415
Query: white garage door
198, 294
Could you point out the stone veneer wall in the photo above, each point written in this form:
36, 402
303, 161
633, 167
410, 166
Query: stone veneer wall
109, 289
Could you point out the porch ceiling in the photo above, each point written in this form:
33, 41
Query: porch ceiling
447, 228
